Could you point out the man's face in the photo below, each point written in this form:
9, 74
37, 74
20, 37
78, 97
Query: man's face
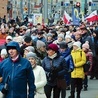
13, 53
39, 35
84, 31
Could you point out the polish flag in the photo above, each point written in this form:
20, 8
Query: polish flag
66, 18
92, 17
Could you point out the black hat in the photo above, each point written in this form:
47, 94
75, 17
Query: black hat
63, 45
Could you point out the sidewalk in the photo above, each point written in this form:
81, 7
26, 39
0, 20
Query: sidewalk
92, 90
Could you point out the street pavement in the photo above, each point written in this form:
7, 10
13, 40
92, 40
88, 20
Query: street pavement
91, 93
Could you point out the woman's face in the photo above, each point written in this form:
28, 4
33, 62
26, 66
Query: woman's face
49, 38
77, 36
32, 61
25, 52
75, 47
60, 39
50, 52
43, 49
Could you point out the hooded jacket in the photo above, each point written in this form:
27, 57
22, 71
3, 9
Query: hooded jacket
17, 75
68, 58
79, 60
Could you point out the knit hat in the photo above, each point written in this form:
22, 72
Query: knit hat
78, 44
9, 38
3, 52
85, 45
61, 35
30, 49
49, 34
18, 39
63, 45
68, 33
68, 36
53, 47
40, 44
31, 55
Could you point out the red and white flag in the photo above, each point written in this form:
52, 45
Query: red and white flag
66, 18
92, 17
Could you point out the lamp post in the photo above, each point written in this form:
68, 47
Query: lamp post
21, 8
28, 8
45, 10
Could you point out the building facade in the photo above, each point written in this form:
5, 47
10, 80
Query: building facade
3, 8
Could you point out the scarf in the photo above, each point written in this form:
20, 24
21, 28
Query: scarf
53, 56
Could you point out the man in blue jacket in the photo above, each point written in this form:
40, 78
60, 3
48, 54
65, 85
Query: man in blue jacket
16, 73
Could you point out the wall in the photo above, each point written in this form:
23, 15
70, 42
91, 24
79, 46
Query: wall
3, 8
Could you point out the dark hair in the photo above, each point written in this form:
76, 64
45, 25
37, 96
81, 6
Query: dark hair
27, 39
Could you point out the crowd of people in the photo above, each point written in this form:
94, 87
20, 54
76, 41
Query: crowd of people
34, 57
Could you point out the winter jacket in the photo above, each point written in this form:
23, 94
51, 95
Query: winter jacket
89, 58
54, 68
17, 75
67, 56
41, 39
79, 59
40, 79
70, 65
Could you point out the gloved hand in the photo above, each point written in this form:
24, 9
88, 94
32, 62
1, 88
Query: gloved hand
4, 91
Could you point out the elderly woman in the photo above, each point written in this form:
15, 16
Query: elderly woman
55, 68
39, 74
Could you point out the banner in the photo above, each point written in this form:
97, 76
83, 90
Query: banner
37, 18
75, 16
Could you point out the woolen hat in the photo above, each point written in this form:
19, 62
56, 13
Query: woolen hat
40, 44
49, 34
31, 55
9, 38
53, 47
78, 44
30, 49
85, 45
63, 45
61, 35
68, 36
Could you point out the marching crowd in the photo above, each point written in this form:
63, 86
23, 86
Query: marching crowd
38, 60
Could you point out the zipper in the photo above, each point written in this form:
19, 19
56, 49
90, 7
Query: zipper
12, 78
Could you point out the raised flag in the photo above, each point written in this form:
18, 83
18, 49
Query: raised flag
92, 17
66, 18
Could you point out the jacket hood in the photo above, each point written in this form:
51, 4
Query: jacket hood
13, 44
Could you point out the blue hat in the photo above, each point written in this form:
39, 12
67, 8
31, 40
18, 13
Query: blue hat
13, 45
